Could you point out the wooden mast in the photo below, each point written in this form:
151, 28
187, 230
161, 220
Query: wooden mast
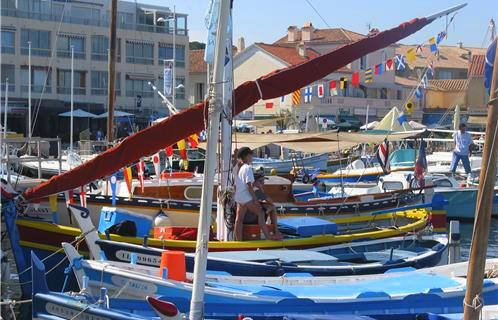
111, 73
477, 262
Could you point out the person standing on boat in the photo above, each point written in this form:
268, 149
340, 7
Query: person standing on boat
245, 196
463, 145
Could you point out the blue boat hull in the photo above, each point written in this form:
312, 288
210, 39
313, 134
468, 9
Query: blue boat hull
462, 203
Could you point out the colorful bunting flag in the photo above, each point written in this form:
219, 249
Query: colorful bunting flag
430, 69
169, 156
424, 81
420, 48
52, 200
409, 107
432, 44
141, 173
355, 79
333, 87
282, 99
68, 195
399, 62
418, 93
368, 75
269, 105
320, 90
156, 160
411, 55
389, 65
182, 149
296, 97
440, 37
378, 69
402, 118
193, 139
343, 83
308, 94
128, 177
83, 196
113, 181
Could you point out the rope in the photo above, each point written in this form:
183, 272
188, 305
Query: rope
259, 90
476, 304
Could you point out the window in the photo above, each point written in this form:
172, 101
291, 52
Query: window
100, 47
445, 75
8, 42
199, 92
84, 15
38, 77
64, 43
363, 63
399, 94
165, 52
139, 52
99, 83
30, 5
138, 88
8, 72
40, 42
383, 93
180, 88
64, 82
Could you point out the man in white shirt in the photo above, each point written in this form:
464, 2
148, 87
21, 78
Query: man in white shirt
463, 143
244, 194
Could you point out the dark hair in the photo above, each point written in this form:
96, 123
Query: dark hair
462, 125
244, 152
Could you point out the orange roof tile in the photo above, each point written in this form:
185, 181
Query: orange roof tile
449, 56
288, 54
448, 85
196, 61
476, 67
338, 35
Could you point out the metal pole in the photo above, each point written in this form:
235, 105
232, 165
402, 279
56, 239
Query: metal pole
174, 56
29, 94
111, 73
5, 109
479, 245
215, 108
71, 133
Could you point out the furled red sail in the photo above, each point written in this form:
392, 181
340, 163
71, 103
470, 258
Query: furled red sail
190, 121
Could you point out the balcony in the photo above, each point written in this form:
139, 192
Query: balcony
143, 94
36, 89
102, 92
36, 52
67, 54
8, 50
9, 12
77, 90
103, 57
140, 60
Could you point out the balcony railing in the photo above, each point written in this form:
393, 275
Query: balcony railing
36, 88
67, 54
36, 52
102, 91
146, 94
86, 21
103, 57
12, 87
139, 60
77, 90
179, 63
8, 50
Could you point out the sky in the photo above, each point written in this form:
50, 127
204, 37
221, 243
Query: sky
267, 20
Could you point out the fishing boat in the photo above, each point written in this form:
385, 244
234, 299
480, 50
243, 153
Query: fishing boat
399, 293
361, 257
286, 165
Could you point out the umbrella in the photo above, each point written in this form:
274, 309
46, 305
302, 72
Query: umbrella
117, 114
78, 113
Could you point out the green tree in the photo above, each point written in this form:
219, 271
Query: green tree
195, 45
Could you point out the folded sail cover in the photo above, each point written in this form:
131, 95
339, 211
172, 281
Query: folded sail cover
190, 121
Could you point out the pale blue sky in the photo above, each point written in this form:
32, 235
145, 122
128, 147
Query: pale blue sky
267, 20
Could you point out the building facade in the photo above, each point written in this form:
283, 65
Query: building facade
49, 29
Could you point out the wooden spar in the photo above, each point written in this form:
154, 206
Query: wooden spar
111, 74
475, 274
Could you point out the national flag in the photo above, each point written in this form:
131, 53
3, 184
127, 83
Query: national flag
68, 195
389, 65
296, 97
113, 181
488, 65
193, 139
141, 173
418, 93
333, 87
409, 107
169, 156
156, 160
411, 55
430, 69
182, 149
432, 44
128, 178
320, 91
378, 69
343, 83
383, 156
399, 62
420, 48
83, 196
269, 105
308, 94
368, 75
355, 79
440, 37
421, 165
52, 201
402, 118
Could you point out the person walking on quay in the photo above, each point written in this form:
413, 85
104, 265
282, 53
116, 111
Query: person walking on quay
463, 144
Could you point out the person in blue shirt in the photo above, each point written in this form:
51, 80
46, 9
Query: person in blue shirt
463, 144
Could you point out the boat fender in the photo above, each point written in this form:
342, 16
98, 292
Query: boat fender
306, 178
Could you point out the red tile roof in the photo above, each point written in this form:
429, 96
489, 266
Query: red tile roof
476, 66
196, 61
336, 35
288, 54
452, 57
448, 85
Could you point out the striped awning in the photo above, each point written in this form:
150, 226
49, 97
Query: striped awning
140, 76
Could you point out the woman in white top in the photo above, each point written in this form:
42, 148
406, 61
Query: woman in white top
245, 196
